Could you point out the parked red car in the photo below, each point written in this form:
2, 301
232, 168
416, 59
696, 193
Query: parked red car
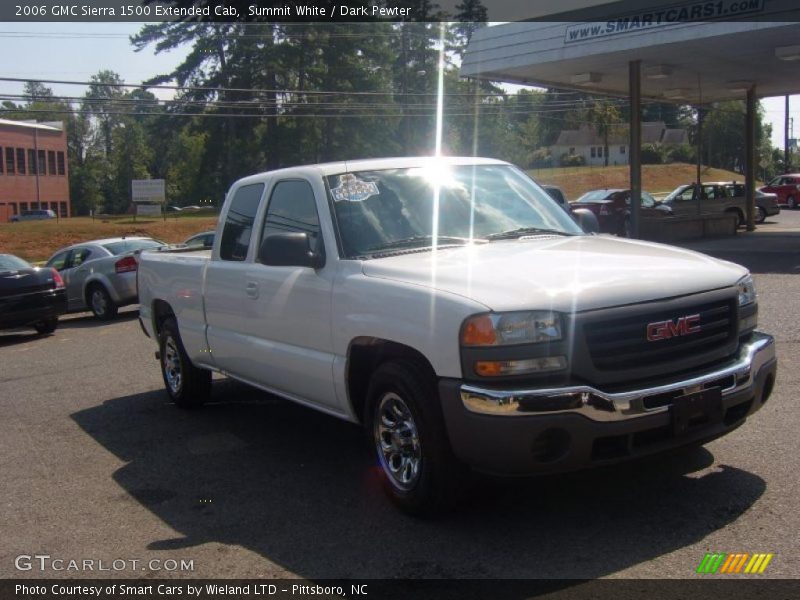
613, 209
787, 188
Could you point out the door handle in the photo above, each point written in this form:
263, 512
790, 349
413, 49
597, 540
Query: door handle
252, 289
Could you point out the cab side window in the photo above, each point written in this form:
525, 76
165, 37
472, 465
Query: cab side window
292, 209
239, 222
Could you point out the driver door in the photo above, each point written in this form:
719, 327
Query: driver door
287, 309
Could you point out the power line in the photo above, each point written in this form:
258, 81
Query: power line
256, 90
283, 102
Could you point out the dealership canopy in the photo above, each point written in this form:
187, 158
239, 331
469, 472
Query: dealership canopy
687, 52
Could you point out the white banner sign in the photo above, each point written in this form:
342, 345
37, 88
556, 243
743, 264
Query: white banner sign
148, 190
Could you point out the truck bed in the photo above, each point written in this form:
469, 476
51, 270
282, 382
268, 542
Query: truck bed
176, 275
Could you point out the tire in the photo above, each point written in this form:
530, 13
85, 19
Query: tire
405, 426
47, 326
761, 214
739, 218
100, 303
188, 386
791, 202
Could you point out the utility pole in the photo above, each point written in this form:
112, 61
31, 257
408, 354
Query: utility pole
786, 152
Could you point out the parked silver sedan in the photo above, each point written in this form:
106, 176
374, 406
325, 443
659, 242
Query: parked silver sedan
100, 275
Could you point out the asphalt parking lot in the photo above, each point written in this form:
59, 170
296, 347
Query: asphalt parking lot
96, 464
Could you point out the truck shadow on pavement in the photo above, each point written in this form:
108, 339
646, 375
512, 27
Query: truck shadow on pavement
299, 488
88, 320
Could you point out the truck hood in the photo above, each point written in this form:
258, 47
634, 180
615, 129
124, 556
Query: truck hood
565, 273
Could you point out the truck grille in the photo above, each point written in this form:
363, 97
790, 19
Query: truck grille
622, 344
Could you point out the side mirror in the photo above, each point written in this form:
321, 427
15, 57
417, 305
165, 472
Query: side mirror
586, 219
289, 250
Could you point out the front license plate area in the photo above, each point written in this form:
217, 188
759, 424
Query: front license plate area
696, 410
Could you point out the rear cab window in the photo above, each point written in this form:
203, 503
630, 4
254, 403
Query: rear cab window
239, 221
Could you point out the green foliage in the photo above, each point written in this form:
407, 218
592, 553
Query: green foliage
571, 160
652, 154
685, 153
541, 159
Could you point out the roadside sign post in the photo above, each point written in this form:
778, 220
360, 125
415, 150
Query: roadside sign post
149, 196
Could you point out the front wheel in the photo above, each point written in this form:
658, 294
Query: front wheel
101, 303
419, 472
187, 385
46, 326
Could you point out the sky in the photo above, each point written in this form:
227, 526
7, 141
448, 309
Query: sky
76, 51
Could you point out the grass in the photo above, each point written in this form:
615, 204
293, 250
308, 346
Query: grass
37, 240
656, 179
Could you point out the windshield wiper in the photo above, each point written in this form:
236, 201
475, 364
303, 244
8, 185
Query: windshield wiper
515, 233
422, 240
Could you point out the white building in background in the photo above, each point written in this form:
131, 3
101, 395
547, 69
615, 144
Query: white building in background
587, 143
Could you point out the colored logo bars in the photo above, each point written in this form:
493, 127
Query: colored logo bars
720, 562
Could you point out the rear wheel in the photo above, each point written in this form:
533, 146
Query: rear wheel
419, 472
101, 304
47, 326
739, 218
188, 386
761, 214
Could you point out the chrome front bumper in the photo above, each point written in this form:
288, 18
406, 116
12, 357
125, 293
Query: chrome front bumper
734, 377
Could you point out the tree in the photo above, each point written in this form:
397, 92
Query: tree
471, 15
605, 119
36, 91
99, 103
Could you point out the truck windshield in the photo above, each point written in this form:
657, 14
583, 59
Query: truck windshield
392, 209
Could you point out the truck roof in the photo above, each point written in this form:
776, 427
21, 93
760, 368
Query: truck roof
370, 164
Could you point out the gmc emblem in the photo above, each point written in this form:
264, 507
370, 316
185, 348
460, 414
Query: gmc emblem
664, 330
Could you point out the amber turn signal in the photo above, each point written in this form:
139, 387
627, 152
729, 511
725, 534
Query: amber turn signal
479, 331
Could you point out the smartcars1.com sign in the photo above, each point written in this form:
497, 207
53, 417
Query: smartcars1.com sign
662, 17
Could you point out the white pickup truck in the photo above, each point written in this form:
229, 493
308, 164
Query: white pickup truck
453, 308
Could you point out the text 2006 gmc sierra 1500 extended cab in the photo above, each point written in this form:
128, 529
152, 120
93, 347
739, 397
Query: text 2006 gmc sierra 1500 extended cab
453, 308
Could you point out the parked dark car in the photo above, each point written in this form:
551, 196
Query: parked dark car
557, 194
612, 207
33, 215
30, 296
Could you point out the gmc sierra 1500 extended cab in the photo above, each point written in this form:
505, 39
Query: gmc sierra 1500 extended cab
453, 308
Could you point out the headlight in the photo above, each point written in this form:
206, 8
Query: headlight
505, 329
747, 291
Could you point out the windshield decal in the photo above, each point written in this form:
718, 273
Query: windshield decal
352, 189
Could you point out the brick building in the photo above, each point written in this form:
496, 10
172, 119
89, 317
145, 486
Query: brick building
33, 168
